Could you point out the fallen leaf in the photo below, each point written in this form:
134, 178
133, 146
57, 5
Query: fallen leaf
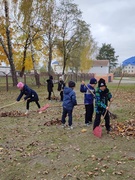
83, 130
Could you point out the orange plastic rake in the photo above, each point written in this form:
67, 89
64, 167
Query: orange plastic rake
44, 108
49, 106
97, 131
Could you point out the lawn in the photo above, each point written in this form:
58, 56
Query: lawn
37, 147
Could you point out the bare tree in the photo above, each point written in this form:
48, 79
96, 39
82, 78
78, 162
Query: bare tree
50, 29
69, 15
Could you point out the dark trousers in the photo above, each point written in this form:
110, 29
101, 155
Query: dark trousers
89, 109
61, 95
32, 100
64, 115
49, 95
98, 120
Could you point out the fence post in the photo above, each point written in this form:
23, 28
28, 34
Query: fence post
6, 82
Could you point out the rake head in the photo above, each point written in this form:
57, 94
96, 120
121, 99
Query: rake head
97, 131
113, 116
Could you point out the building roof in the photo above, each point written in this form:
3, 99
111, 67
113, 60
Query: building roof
130, 60
98, 63
55, 62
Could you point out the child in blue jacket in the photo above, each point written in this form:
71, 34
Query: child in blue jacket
30, 95
89, 91
69, 101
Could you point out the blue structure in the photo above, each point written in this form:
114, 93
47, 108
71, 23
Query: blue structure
128, 61
55, 62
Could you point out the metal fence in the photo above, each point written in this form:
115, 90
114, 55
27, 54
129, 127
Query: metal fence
29, 79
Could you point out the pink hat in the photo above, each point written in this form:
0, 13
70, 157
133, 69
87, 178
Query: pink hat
20, 85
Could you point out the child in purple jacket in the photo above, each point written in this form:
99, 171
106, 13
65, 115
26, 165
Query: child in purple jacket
89, 93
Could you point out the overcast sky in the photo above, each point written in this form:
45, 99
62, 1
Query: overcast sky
111, 22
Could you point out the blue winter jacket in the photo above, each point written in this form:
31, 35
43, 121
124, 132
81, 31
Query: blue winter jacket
69, 100
30, 94
88, 96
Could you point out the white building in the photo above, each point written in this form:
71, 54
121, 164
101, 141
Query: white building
100, 67
4, 70
129, 65
57, 68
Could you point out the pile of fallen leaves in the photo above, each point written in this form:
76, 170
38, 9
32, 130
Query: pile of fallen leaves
124, 129
12, 114
53, 122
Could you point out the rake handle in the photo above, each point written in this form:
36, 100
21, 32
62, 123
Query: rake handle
89, 90
12, 103
61, 105
8, 105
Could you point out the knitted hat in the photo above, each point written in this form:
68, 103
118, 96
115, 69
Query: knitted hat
20, 85
60, 78
71, 84
50, 77
93, 81
101, 82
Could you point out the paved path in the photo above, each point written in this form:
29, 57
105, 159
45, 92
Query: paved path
125, 80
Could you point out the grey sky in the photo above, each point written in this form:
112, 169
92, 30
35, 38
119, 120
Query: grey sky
111, 22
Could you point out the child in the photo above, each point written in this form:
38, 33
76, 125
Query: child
61, 86
69, 101
101, 104
31, 95
49, 87
88, 99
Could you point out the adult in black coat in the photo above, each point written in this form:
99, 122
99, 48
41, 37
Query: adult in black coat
50, 87
61, 85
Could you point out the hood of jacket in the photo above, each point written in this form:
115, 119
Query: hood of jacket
68, 90
69, 100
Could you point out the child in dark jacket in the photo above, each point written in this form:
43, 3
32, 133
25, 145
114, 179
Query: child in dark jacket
61, 86
102, 97
31, 95
88, 99
69, 101
49, 87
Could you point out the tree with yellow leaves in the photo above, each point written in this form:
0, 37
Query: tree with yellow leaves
87, 54
5, 40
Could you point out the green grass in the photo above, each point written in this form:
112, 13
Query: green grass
30, 150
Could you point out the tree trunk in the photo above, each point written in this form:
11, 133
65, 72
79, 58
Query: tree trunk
24, 56
10, 55
34, 65
49, 67
64, 60
50, 54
